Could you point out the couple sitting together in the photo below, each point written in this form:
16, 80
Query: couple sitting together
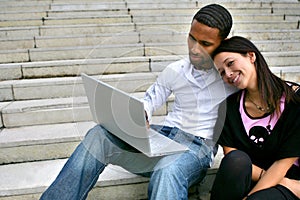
225, 94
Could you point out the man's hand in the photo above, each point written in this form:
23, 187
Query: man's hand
147, 121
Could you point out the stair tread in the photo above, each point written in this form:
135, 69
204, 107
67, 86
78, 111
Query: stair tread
34, 177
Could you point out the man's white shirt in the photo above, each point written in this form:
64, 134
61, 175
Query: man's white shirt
197, 95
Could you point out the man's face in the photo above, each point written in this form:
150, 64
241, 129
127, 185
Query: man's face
202, 41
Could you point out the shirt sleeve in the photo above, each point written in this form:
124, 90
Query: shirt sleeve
157, 94
290, 146
227, 128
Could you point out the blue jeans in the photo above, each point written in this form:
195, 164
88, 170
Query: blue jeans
170, 176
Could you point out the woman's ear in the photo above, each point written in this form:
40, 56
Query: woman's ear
252, 56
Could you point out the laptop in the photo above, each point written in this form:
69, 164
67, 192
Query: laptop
123, 115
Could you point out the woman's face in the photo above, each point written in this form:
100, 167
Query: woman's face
237, 69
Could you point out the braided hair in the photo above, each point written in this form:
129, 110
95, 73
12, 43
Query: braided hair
215, 16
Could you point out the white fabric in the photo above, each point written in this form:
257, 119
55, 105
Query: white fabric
197, 96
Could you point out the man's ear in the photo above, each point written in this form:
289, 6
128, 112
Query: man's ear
252, 56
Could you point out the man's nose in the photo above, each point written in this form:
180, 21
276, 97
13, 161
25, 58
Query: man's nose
197, 48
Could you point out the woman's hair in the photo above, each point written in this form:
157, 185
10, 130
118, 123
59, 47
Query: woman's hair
215, 16
270, 86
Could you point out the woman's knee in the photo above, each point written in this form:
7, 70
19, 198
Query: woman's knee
236, 160
235, 164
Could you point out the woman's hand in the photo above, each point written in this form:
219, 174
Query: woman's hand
274, 175
291, 184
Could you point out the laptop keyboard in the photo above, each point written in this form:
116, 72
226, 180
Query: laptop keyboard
158, 141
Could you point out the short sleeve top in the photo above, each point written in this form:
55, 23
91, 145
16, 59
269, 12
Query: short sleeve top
283, 141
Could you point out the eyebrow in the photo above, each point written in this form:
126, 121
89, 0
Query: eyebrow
192, 36
200, 41
227, 59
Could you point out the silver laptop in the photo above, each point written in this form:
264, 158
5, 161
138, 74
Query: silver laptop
123, 115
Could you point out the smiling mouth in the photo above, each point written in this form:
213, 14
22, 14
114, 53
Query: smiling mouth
235, 79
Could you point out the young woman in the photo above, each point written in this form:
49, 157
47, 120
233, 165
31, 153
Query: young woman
260, 129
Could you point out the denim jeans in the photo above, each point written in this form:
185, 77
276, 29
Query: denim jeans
170, 176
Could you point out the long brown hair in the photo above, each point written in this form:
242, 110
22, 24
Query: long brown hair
270, 86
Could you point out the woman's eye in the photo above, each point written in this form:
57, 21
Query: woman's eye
230, 63
222, 73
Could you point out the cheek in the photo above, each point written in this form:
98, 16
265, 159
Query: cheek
225, 80
209, 50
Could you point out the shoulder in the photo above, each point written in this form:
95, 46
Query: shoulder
175, 69
235, 97
178, 65
295, 86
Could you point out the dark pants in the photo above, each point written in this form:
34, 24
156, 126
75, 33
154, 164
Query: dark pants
233, 181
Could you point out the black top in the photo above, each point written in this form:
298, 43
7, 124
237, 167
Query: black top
283, 142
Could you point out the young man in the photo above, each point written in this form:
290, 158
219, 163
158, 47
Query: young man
198, 90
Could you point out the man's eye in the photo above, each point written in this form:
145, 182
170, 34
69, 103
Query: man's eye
192, 38
206, 44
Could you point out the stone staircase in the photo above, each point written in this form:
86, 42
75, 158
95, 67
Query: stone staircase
45, 45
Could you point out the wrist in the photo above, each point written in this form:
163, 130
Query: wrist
261, 174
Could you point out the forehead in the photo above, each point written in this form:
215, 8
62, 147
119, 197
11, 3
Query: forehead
221, 58
203, 32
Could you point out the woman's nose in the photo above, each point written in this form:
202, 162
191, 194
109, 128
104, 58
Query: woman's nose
228, 73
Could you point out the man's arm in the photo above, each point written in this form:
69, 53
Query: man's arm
157, 94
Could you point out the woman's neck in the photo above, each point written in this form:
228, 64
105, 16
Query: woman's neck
254, 104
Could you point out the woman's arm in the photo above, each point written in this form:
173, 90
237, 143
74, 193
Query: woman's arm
293, 185
274, 175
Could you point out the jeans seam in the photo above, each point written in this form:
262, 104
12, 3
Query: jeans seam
90, 186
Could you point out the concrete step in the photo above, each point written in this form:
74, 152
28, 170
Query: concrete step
129, 37
228, 4
17, 15
292, 17
72, 86
90, 66
269, 34
81, 13
238, 4
41, 142
191, 11
44, 142
110, 66
17, 6
133, 37
64, 30
159, 17
279, 59
88, 6
66, 20
119, 28
52, 14
84, 18
117, 50
28, 180
67, 41
70, 106
241, 25
57, 110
